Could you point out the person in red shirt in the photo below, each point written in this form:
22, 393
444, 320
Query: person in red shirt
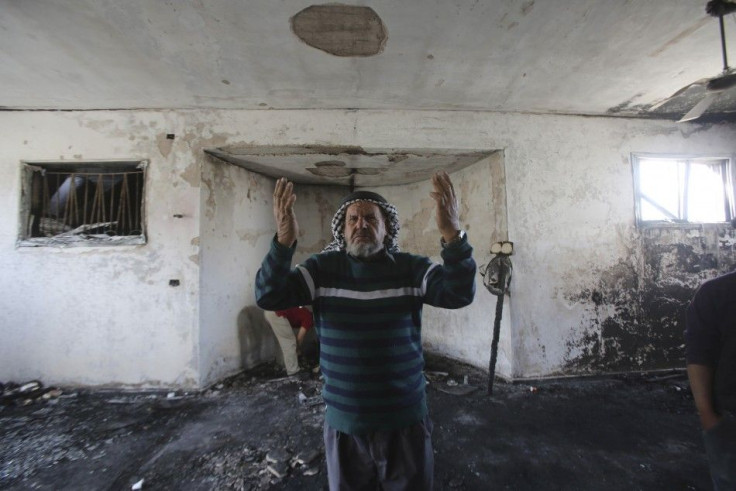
283, 323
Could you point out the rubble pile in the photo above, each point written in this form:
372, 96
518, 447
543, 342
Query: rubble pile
260, 430
13, 394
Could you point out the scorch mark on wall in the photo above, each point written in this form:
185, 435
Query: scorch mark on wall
636, 311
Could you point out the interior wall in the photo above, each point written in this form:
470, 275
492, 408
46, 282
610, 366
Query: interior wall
236, 231
570, 214
109, 316
464, 334
236, 218
591, 292
102, 315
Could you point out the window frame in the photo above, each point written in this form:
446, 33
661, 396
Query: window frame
730, 192
29, 167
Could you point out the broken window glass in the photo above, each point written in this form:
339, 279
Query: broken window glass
683, 190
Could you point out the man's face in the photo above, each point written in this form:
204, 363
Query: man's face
365, 229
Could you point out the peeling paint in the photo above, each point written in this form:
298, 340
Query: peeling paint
192, 174
251, 237
527, 7
341, 30
164, 144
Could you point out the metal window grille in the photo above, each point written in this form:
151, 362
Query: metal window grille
65, 202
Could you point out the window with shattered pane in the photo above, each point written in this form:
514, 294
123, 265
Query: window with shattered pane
683, 190
83, 203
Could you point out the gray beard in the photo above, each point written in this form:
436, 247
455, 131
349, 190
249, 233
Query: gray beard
363, 250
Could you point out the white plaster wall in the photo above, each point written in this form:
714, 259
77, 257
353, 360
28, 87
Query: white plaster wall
569, 195
236, 220
571, 214
236, 232
101, 315
464, 334
109, 316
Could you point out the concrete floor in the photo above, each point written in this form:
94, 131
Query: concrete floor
625, 432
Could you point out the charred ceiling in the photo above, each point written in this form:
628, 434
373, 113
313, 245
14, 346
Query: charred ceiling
350, 166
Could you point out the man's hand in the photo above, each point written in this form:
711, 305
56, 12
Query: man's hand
287, 228
447, 215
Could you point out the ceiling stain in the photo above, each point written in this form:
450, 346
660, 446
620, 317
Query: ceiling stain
351, 166
330, 163
680, 36
341, 30
330, 171
527, 7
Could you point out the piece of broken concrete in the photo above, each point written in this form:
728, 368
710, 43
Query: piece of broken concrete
306, 458
457, 390
277, 455
278, 469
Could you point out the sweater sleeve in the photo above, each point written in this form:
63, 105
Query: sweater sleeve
278, 285
451, 285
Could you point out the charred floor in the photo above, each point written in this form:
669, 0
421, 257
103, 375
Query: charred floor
260, 430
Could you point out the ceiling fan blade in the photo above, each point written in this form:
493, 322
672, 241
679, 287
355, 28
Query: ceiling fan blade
699, 108
701, 82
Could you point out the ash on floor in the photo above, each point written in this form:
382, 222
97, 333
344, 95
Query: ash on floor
260, 430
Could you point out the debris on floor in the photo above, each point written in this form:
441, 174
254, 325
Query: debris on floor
259, 430
13, 394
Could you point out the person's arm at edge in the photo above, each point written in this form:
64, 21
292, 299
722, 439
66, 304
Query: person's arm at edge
701, 339
701, 385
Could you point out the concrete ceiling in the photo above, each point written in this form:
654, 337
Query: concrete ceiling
581, 57
590, 57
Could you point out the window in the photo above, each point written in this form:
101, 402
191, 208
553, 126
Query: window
683, 190
82, 203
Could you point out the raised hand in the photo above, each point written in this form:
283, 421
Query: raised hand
448, 221
287, 227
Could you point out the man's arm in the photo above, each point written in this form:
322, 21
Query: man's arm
446, 214
278, 286
451, 285
287, 227
701, 385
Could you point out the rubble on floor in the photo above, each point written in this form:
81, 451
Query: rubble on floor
14, 394
261, 430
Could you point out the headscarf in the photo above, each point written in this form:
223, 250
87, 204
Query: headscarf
391, 218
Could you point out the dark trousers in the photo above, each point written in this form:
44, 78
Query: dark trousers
720, 445
390, 460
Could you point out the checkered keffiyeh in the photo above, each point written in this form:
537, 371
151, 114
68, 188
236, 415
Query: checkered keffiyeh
391, 242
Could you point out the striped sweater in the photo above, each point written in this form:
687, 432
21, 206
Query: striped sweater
368, 320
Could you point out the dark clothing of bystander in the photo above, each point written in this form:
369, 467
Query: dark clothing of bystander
711, 342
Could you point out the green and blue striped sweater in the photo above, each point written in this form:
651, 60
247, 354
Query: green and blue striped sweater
368, 318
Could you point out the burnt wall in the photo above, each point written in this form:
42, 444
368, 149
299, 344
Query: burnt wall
636, 312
